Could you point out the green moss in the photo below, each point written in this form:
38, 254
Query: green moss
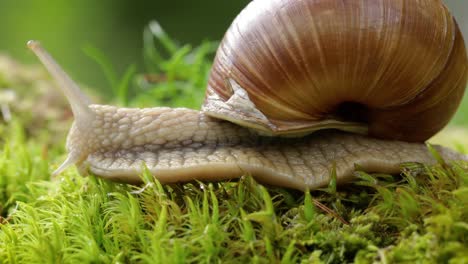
419, 216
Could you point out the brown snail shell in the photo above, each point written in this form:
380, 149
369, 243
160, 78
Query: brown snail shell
394, 69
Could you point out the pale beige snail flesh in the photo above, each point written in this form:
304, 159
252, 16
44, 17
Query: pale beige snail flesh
178, 144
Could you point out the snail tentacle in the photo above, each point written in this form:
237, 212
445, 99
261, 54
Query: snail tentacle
78, 101
71, 159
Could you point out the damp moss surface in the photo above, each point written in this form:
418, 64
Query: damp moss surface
417, 216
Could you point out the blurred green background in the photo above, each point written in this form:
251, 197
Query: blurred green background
112, 26
115, 27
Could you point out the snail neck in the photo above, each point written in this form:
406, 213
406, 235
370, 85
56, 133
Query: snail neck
149, 129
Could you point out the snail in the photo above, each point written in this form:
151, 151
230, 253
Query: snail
298, 91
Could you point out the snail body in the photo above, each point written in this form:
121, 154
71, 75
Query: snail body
179, 145
271, 86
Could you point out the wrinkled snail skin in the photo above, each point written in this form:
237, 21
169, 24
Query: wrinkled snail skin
366, 77
179, 145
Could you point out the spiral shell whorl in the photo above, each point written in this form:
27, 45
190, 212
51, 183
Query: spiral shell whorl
302, 61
